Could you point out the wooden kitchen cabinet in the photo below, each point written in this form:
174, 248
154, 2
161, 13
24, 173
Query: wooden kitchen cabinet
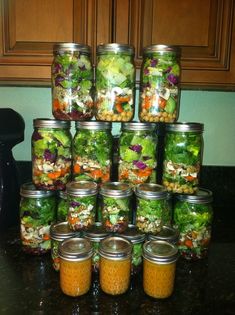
205, 30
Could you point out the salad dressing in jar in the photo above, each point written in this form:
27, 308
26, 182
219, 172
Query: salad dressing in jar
115, 82
159, 268
115, 206
152, 207
81, 198
51, 153
75, 266
71, 76
115, 264
137, 153
92, 151
182, 157
37, 212
159, 84
193, 216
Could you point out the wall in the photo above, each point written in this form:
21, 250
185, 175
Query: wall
215, 109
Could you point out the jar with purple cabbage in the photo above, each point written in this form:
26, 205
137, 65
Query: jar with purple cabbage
137, 153
72, 76
160, 84
51, 154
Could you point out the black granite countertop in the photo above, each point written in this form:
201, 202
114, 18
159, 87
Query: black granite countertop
29, 285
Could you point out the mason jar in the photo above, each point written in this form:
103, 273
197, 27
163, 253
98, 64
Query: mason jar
59, 232
62, 206
137, 153
116, 209
115, 82
82, 199
193, 215
137, 239
51, 154
159, 268
95, 234
182, 159
167, 233
92, 151
151, 207
160, 84
71, 77
75, 266
115, 264
37, 213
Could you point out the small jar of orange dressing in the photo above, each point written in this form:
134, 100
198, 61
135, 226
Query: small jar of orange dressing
75, 266
159, 268
115, 264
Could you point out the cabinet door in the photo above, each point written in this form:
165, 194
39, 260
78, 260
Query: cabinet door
29, 28
205, 30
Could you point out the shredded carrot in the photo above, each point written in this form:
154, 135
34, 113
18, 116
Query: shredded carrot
123, 99
188, 243
147, 102
73, 220
145, 173
190, 178
46, 237
124, 174
96, 173
119, 107
54, 175
105, 177
77, 168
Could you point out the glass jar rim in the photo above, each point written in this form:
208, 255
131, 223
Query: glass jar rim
51, 123
29, 190
65, 46
75, 249
93, 125
115, 247
116, 48
185, 127
161, 252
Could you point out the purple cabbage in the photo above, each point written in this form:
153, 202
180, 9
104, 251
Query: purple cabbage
153, 62
172, 79
57, 68
36, 136
141, 165
58, 80
48, 156
75, 204
136, 147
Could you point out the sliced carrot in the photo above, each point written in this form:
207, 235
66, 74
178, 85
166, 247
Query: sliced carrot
119, 107
46, 237
56, 104
145, 173
123, 99
96, 174
54, 175
161, 102
190, 178
73, 220
77, 168
124, 174
105, 177
188, 243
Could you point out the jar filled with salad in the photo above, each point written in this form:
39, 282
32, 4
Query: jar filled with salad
72, 76
152, 207
160, 84
115, 205
137, 153
82, 199
182, 159
37, 213
92, 151
51, 154
115, 82
193, 215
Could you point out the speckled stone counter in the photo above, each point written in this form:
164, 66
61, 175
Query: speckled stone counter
29, 285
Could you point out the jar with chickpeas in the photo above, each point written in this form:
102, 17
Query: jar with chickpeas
160, 84
115, 82
182, 159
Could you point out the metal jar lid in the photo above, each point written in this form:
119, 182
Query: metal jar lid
115, 247
133, 234
82, 188
62, 47
167, 234
161, 252
30, 191
185, 127
162, 49
51, 123
115, 189
75, 249
116, 48
61, 231
138, 126
96, 232
93, 125
151, 191
201, 197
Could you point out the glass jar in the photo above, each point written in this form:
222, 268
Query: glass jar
51, 154
193, 216
59, 232
151, 207
92, 151
37, 212
71, 76
115, 206
82, 199
137, 153
115, 82
95, 234
115, 264
182, 157
159, 268
75, 266
137, 239
62, 206
168, 234
159, 84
